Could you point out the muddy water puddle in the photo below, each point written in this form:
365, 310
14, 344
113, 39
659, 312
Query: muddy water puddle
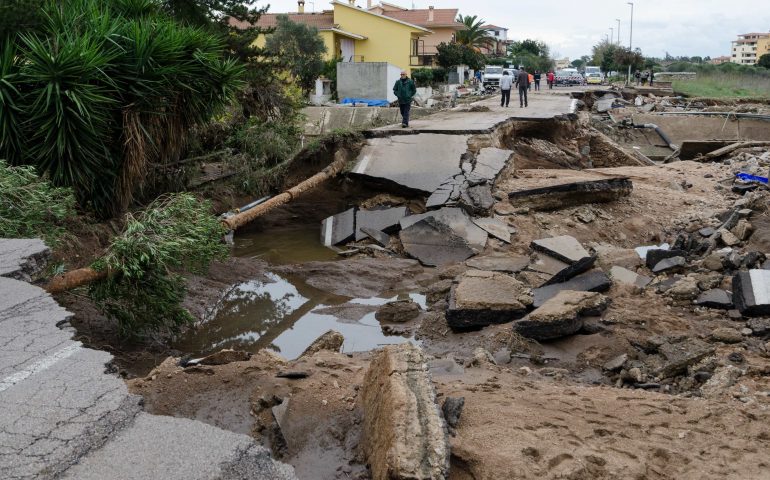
286, 315
284, 246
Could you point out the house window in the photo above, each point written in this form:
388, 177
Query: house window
414, 47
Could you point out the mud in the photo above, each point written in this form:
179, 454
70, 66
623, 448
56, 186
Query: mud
555, 409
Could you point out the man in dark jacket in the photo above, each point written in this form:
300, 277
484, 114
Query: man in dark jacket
405, 90
522, 81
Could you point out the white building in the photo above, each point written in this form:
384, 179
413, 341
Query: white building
744, 49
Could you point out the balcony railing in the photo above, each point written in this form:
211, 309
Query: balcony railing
422, 60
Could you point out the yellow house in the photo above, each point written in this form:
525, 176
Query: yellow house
441, 21
763, 47
354, 34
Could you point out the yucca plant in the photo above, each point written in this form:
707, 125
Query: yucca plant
106, 91
11, 144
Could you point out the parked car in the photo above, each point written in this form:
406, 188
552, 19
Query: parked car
492, 74
567, 78
594, 79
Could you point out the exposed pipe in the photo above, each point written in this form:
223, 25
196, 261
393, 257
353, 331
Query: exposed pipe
719, 114
240, 219
660, 132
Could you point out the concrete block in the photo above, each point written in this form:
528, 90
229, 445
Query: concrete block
404, 434
339, 228
751, 292
478, 301
561, 315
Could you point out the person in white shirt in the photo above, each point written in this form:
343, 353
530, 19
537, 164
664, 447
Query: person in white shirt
506, 83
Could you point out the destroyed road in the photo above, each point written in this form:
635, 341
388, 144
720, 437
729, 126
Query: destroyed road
534, 296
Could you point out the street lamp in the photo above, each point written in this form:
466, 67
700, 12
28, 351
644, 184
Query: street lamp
618, 20
630, 40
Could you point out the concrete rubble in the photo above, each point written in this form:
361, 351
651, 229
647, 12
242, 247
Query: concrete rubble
557, 196
404, 434
484, 298
561, 315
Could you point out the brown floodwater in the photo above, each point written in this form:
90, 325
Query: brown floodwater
283, 313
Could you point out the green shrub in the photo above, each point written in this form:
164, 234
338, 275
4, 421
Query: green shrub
32, 207
423, 77
144, 290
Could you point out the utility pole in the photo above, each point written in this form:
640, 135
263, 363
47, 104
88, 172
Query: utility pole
630, 41
618, 20
612, 36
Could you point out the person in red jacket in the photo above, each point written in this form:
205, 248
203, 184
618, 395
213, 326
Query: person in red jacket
551, 78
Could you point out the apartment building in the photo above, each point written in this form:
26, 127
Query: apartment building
745, 48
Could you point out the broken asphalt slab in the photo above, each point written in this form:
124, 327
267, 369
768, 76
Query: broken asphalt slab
339, 228
64, 417
385, 220
416, 162
561, 315
564, 248
434, 243
485, 298
457, 221
495, 227
509, 263
751, 292
563, 195
591, 281
22, 258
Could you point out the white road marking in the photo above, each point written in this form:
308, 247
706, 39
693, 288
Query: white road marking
363, 164
39, 366
760, 285
328, 231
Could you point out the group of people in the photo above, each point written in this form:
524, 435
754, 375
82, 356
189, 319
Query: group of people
642, 77
405, 90
523, 83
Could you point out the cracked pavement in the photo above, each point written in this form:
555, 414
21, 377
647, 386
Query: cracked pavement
63, 416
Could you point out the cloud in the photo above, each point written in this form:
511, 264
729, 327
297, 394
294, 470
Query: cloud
571, 28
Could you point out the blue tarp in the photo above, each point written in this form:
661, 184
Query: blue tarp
368, 101
751, 178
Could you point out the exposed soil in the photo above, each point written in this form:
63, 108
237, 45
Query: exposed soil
549, 410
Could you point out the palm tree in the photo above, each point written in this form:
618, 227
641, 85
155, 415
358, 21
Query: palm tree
474, 35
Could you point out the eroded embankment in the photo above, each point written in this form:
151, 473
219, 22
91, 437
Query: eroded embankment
683, 373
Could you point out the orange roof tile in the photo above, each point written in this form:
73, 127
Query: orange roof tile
323, 20
441, 17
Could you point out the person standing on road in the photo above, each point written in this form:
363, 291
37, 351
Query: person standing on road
531, 79
405, 90
551, 78
645, 75
506, 82
522, 81
638, 76
538, 75
652, 77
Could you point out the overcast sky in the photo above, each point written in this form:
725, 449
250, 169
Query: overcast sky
572, 27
